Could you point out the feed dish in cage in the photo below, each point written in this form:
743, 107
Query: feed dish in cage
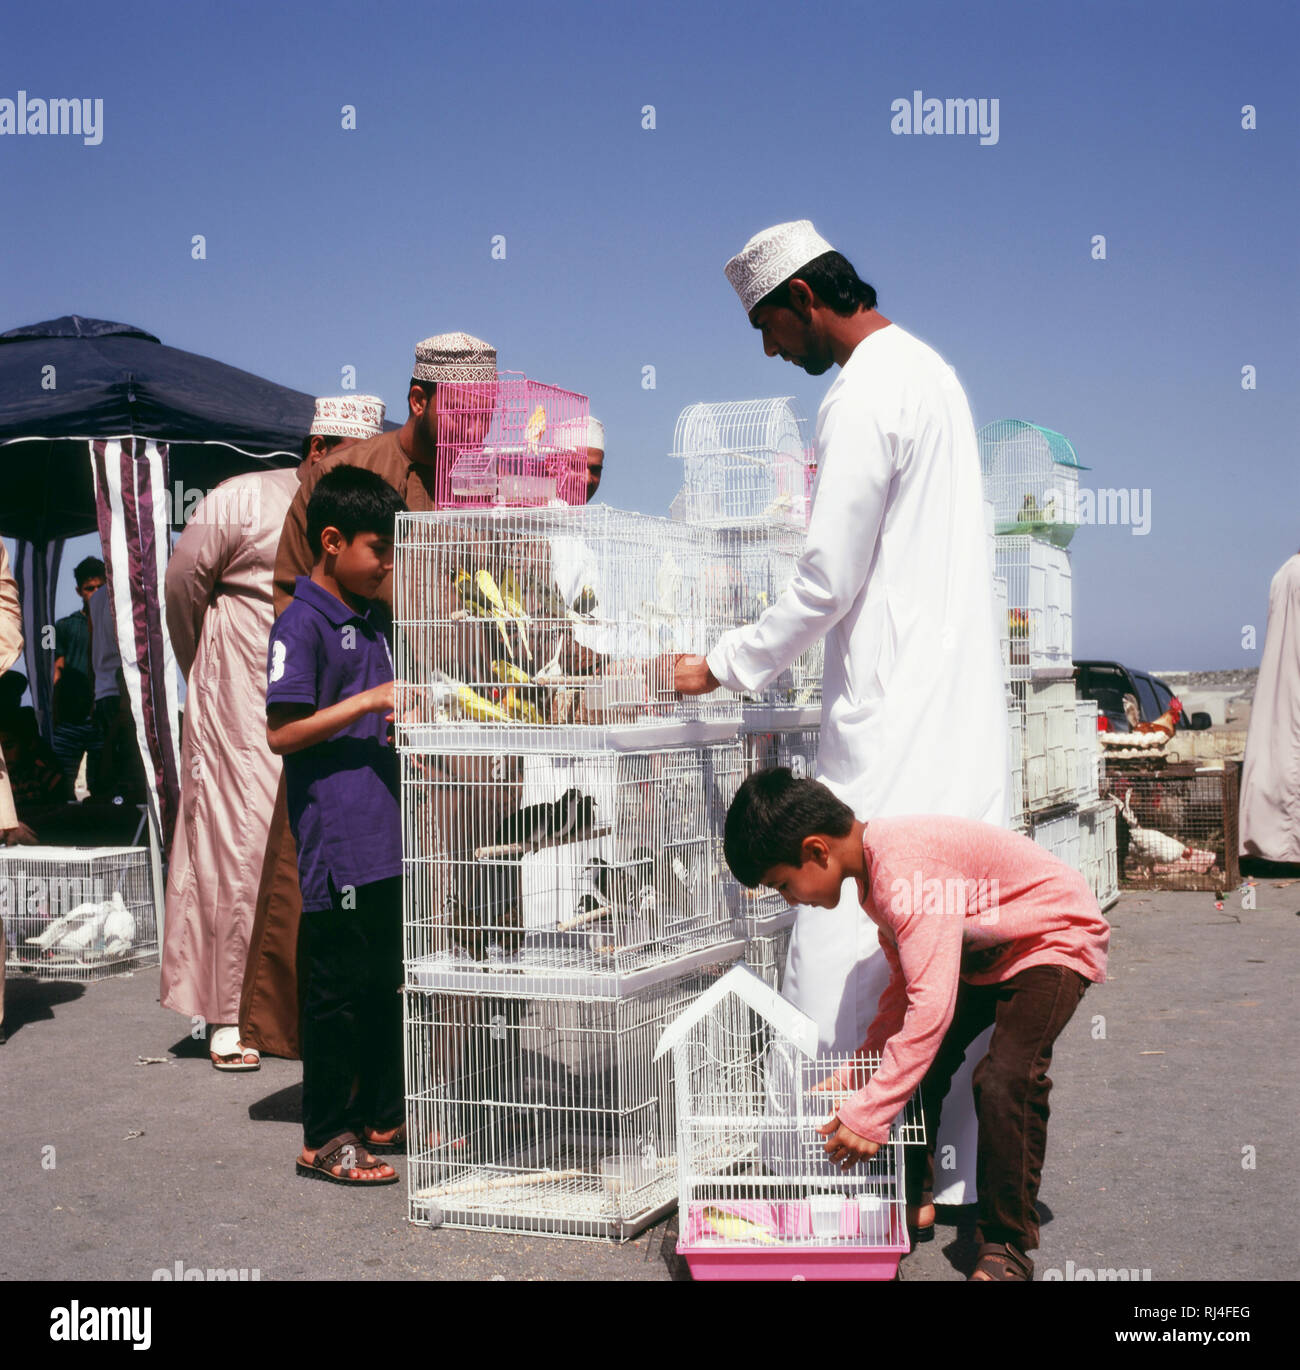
1039, 605
1031, 475
567, 871
558, 625
747, 461
77, 913
545, 1115
512, 441
758, 1197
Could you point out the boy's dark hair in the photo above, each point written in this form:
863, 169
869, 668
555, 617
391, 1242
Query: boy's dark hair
354, 501
769, 818
832, 279
330, 440
90, 566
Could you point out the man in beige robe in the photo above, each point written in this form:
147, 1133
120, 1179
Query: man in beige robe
408, 459
218, 600
1270, 779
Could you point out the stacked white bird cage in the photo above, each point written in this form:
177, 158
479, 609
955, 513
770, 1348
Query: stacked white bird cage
1031, 482
562, 811
757, 1196
744, 463
1031, 475
1098, 850
768, 948
77, 913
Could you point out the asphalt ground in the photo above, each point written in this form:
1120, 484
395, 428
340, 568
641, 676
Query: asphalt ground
1171, 1146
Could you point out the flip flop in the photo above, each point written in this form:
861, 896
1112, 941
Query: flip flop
228, 1054
333, 1153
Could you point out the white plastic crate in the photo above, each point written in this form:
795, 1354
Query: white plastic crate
757, 1196
1016, 763
1050, 741
557, 626
1098, 850
565, 873
1039, 604
542, 1115
1059, 835
1088, 776
744, 462
78, 913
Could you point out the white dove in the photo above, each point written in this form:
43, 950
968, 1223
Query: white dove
88, 915
119, 927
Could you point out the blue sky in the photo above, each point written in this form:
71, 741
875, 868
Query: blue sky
328, 247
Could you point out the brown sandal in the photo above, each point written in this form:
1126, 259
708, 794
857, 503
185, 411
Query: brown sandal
395, 1147
332, 1154
1001, 1261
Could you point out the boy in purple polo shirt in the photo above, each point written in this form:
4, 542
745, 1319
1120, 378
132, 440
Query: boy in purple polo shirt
329, 698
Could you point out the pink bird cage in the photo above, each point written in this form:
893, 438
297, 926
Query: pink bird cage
512, 443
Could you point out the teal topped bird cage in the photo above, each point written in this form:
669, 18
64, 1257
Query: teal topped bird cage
1031, 476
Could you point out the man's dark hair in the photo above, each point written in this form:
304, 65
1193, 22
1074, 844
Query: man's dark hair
428, 387
354, 501
832, 279
769, 818
331, 441
91, 566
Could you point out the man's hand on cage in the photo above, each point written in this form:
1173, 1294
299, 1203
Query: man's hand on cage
843, 1146
691, 676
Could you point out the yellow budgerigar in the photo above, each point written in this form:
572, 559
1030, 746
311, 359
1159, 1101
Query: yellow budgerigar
736, 1229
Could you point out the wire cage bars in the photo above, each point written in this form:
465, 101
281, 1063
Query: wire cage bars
757, 1196
77, 913
767, 952
1176, 825
1089, 766
546, 1115
512, 441
1098, 851
746, 461
1050, 741
556, 621
1059, 834
565, 872
1038, 605
1031, 474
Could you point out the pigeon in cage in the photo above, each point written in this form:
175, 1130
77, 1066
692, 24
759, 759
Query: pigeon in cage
84, 928
570, 818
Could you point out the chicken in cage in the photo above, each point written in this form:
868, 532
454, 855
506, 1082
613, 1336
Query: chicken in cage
511, 442
757, 1196
545, 1115
532, 619
1176, 826
747, 461
568, 871
77, 913
1031, 476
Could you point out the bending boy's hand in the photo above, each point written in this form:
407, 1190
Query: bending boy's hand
844, 1147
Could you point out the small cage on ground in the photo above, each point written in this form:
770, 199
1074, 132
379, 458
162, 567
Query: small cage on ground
568, 871
77, 913
1031, 474
1176, 825
757, 1196
512, 441
561, 620
545, 1115
747, 461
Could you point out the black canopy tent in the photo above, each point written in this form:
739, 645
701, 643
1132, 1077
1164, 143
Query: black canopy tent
83, 396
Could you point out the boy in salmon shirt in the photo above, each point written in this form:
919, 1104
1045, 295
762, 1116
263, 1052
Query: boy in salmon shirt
980, 926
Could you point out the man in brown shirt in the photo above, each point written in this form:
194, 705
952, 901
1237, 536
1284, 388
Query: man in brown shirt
415, 460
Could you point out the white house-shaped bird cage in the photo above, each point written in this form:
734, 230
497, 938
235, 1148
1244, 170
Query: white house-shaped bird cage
558, 626
746, 461
757, 1196
1031, 474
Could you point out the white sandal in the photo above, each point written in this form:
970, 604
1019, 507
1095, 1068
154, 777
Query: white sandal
225, 1044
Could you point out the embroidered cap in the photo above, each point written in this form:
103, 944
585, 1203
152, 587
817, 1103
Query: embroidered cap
773, 256
348, 416
588, 432
456, 358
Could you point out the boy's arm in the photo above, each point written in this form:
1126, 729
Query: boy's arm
292, 727
928, 948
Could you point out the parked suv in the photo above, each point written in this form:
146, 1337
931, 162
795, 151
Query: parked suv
1108, 682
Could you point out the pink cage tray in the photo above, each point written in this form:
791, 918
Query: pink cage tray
797, 1256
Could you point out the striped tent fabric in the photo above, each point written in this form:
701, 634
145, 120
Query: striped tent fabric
36, 569
134, 530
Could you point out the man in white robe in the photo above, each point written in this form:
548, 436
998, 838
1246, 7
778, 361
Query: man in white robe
897, 576
1270, 779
